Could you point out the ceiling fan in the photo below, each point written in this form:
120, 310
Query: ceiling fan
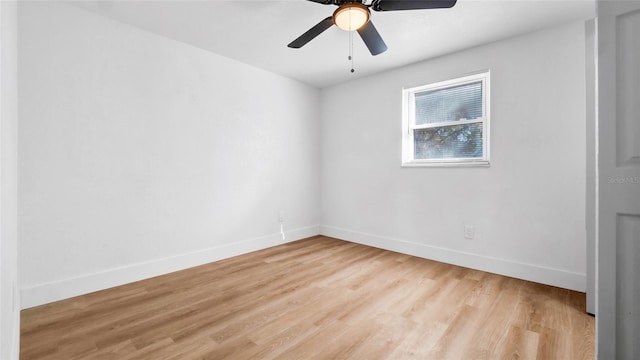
354, 15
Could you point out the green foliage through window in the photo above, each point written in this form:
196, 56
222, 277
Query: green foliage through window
457, 141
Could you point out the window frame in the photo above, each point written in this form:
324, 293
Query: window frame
409, 126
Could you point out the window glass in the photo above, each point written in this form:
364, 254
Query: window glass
447, 123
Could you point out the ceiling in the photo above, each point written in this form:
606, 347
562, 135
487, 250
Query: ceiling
257, 32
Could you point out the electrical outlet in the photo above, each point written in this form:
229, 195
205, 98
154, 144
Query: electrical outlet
468, 231
280, 216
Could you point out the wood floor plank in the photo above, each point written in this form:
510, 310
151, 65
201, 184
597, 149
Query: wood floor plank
461, 328
390, 332
521, 344
316, 298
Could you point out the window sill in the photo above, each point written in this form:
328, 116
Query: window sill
414, 164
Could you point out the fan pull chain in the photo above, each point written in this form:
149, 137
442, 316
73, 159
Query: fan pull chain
351, 50
351, 45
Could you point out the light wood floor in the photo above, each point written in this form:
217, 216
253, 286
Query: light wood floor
318, 298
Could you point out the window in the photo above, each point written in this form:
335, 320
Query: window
447, 123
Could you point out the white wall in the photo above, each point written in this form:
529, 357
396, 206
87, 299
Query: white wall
9, 297
591, 174
528, 208
139, 155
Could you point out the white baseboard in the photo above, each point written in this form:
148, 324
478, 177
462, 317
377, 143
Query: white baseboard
540, 274
63, 289
58, 290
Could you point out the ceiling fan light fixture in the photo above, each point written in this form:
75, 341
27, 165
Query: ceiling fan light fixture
351, 17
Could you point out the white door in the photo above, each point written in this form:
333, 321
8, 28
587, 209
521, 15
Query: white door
618, 262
